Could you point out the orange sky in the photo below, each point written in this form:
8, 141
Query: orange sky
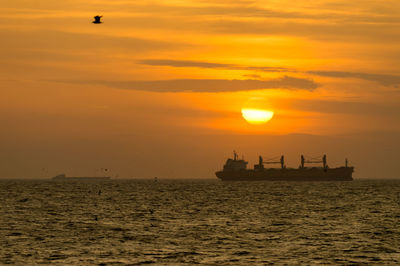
158, 88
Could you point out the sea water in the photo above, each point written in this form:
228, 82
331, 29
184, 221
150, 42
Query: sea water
194, 221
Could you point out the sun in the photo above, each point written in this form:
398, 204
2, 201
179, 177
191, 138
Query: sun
257, 116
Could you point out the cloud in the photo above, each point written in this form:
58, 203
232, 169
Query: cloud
327, 31
183, 63
209, 85
348, 107
318, 11
45, 40
319, 21
200, 64
385, 80
254, 76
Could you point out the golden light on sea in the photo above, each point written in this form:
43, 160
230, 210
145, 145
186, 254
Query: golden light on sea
257, 116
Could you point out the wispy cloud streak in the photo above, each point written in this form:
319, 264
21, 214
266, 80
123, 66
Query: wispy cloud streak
200, 64
385, 80
209, 85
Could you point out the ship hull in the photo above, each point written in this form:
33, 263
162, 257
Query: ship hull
304, 174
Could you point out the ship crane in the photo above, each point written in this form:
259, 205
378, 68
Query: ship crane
314, 160
272, 161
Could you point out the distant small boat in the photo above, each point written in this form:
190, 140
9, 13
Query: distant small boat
63, 177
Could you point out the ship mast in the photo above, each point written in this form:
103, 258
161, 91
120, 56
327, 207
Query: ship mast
272, 161
235, 156
314, 160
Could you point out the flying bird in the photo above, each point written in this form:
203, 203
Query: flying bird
97, 20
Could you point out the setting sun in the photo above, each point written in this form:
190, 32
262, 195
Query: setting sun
257, 116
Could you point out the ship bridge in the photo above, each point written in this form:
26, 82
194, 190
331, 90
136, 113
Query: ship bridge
235, 164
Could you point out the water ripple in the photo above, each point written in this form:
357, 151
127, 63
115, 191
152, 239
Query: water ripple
208, 222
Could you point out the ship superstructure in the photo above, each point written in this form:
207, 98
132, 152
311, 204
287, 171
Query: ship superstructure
236, 170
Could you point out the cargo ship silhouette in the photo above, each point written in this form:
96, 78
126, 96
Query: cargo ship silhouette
236, 170
74, 178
